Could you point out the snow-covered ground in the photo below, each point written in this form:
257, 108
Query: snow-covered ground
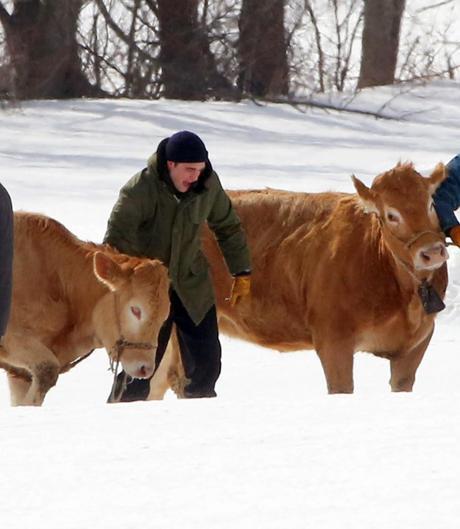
273, 450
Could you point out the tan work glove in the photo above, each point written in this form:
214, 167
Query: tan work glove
454, 234
240, 289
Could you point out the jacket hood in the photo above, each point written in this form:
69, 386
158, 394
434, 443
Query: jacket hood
158, 162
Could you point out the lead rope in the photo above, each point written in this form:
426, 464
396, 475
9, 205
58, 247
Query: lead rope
115, 395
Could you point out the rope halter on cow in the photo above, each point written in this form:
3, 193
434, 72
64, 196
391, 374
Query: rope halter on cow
417, 236
430, 299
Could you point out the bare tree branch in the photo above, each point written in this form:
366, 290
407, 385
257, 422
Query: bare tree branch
352, 37
129, 76
434, 6
319, 46
299, 103
5, 17
119, 32
153, 6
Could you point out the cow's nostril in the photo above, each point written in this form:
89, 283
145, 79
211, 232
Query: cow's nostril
433, 255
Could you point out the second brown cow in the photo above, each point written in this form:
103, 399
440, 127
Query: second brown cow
71, 296
338, 273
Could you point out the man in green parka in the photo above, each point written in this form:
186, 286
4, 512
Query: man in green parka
159, 214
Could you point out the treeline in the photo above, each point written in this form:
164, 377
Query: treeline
223, 49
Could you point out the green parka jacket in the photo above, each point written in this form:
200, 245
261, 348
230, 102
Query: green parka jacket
151, 219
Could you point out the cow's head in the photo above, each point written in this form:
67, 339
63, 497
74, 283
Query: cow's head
133, 311
402, 199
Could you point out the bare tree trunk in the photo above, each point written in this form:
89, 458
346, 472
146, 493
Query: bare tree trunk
264, 69
41, 40
380, 41
182, 60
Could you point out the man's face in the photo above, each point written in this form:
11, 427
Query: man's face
184, 174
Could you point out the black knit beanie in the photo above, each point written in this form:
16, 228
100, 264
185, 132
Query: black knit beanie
185, 146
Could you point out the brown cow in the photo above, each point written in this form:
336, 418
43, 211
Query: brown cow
338, 273
70, 297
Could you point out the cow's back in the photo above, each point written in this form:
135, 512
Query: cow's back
45, 254
270, 216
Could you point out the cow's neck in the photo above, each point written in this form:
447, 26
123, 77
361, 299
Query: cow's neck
83, 292
83, 287
105, 321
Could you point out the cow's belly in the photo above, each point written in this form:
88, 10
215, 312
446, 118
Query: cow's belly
394, 337
282, 334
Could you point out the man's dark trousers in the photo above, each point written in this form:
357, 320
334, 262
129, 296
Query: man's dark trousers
200, 351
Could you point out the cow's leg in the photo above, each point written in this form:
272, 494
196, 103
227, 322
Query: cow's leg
404, 367
18, 389
45, 375
170, 373
176, 373
337, 362
43, 366
159, 384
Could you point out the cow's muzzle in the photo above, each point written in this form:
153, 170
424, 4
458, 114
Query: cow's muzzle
431, 257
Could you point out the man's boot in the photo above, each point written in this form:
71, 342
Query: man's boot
131, 389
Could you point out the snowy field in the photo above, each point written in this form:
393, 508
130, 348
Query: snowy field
273, 450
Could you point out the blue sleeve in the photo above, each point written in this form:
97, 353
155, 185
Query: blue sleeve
447, 196
6, 257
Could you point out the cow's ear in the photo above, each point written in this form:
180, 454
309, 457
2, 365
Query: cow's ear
438, 175
366, 195
107, 270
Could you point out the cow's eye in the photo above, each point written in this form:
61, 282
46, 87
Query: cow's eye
393, 217
137, 312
